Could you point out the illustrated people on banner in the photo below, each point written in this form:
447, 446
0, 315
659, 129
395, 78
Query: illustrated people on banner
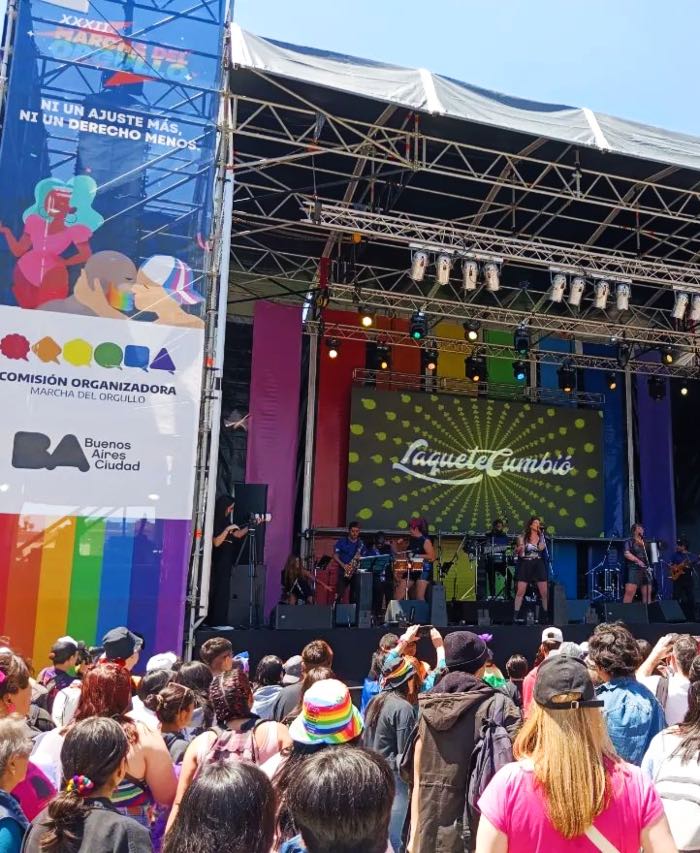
61, 217
107, 277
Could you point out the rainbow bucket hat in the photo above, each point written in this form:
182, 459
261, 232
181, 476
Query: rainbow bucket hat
397, 673
327, 715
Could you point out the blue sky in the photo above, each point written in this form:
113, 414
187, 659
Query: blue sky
637, 59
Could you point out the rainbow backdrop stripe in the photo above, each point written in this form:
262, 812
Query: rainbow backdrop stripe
82, 575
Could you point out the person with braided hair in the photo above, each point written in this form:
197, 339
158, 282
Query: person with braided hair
82, 819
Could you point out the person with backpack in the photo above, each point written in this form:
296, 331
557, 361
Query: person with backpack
238, 735
568, 789
672, 762
464, 735
58, 676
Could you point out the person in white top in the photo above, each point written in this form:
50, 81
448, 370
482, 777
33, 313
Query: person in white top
670, 689
672, 762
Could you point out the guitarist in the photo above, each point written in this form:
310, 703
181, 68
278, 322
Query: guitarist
682, 566
345, 551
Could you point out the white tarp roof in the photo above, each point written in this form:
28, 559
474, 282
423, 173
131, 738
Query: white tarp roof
419, 89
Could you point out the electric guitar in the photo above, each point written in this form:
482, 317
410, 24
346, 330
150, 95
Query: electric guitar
679, 569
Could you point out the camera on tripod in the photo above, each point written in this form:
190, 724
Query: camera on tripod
255, 518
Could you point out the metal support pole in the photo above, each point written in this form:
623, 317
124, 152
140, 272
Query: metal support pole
310, 436
630, 445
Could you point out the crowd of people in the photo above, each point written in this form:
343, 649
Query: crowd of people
593, 747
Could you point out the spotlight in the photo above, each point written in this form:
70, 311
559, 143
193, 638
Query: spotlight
383, 357
556, 291
443, 265
694, 316
471, 329
612, 380
419, 326
475, 368
622, 294
521, 340
657, 387
366, 318
667, 355
602, 289
470, 275
684, 389
624, 352
419, 262
520, 370
679, 306
333, 345
567, 376
578, 285
429, 359
492, 276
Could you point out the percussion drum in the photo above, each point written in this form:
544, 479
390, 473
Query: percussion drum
417, 565
402, 567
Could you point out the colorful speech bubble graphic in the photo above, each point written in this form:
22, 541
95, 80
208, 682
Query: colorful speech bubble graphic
15, 346
135, 356
108, 355
163, 361
77, 352
47, 350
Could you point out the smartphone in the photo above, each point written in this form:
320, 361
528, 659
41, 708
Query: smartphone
424, 630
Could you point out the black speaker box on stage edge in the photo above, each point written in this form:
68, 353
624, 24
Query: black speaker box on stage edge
633, 614
316, 617
666, 611
345, 615
415, 612
576, 610
438, 607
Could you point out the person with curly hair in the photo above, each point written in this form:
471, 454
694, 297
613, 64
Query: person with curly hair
632, 713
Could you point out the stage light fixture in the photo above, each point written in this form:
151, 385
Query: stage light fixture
624, 351
443, 265
622, 295
520, 370
657, 387
612, 380
419, 263
366, 318
429, 359
694, 315
602, 289
419, 326
567, 376
679, 305
521, 340
558, 288
684, 389
578, 286
470, 275
333, 345
475, 368
667, 355
471, 329
492, 276
383, 357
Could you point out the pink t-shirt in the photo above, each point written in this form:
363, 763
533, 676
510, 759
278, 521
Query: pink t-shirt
514, 806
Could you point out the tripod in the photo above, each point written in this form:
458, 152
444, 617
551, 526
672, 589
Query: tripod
251, 539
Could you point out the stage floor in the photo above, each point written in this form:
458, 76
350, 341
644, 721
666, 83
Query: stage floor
353, 647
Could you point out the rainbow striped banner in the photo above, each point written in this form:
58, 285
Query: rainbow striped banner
82, 575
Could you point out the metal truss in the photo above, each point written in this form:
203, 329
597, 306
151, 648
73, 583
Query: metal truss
536, 355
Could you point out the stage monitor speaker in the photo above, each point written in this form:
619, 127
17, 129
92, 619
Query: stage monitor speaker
361, 587
577, 609
666, 611
345, 615
312, 617
239, 597
560, 613
467, 612
438, 607
250, 499
413, 612
635, 613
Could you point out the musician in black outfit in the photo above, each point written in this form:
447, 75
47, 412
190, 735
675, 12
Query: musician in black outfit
684, 585
345, 551
382, 573
496, 545
637, 570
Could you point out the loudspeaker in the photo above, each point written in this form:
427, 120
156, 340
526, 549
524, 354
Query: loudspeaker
313, 617
558, 603
666, 611
345, 615
633, 614
361, 589
438, 608
577, 608
414, 612
250, 499
239, 596
467, 612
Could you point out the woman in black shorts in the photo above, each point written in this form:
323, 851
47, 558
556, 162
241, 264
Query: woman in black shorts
531, 565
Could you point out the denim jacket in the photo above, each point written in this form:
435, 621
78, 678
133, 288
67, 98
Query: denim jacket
633, 716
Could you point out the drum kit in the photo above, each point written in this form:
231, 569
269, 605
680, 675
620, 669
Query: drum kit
406, 568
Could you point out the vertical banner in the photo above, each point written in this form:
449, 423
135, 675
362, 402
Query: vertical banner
274, 428
107, 164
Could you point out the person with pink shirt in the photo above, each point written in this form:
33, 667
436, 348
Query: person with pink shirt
568, 790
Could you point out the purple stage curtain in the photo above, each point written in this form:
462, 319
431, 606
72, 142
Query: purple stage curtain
274, 427
657, 510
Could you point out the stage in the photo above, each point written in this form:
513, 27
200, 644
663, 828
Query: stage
353, 647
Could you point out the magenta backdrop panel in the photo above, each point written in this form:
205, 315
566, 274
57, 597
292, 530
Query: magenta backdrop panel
274, 427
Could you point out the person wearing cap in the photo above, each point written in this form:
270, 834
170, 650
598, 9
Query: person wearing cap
407, 646
164, 660
389, 721
684, 584
632, 712
568, 789
58, 676
438, 762
122, 646
552, 638
371, 686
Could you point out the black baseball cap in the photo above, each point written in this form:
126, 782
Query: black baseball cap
564, 674
120, 644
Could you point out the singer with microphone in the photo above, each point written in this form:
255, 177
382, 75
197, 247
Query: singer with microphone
530, 550
637, 571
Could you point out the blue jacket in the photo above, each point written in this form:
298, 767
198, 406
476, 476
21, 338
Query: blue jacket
370, 688
13, 824
633, 717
